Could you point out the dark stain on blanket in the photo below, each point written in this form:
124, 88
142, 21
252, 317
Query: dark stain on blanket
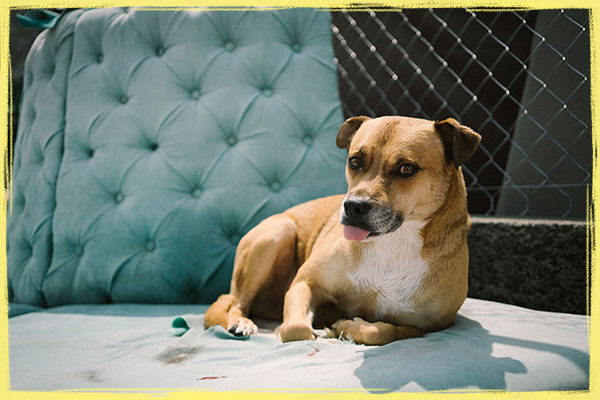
176, 354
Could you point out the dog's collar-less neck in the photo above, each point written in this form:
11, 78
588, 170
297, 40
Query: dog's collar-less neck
391, 265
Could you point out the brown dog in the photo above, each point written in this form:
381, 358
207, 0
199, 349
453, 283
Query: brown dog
387, 261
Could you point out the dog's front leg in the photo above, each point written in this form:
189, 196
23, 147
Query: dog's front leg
298, 313
378, 333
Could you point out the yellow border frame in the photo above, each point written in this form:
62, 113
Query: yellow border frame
5, 82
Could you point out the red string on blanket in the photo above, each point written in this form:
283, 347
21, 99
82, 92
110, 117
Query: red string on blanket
210, 377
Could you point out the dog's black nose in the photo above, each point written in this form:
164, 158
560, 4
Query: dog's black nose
357, 208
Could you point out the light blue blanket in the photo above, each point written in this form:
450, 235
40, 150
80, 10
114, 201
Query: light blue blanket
492, 346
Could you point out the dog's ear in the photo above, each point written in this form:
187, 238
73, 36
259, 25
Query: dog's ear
347, 131
460, 142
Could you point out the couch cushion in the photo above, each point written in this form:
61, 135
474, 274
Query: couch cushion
183, 130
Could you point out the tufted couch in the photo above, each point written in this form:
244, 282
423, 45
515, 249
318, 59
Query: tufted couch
142, 153
149, 143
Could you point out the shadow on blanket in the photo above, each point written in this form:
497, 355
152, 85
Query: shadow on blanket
466, 361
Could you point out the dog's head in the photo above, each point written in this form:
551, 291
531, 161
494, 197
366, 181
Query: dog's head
399, 169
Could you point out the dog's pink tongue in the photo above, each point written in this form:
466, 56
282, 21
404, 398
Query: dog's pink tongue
354, 233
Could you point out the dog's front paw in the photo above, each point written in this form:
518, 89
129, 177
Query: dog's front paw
351, 329
243, 327
291, 332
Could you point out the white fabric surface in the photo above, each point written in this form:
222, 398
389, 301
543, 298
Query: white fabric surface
492, 346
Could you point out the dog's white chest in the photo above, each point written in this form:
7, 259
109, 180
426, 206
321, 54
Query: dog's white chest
392, 267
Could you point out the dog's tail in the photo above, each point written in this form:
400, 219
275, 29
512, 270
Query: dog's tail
217, 312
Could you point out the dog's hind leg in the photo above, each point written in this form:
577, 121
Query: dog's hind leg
263, 269
217, 313
227, 313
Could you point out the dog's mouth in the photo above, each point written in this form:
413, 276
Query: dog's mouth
357, 234
354, 233
364, 221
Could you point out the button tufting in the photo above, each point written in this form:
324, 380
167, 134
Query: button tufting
275, 186
231, 140
150, 245
193, 296
27, 249
204, 166
195, 94
19, 200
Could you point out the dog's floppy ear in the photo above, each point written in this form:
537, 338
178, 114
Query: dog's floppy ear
460, 142
347, 131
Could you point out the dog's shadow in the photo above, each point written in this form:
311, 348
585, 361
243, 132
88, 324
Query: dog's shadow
457, 358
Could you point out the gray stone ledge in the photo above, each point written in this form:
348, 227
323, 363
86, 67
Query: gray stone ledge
535, 263
524, 221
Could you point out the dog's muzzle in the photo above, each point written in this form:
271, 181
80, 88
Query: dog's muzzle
365, 219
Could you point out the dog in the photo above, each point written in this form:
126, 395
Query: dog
386, 261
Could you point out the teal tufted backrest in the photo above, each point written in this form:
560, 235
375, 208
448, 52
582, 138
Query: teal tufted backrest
182, 130
36, 161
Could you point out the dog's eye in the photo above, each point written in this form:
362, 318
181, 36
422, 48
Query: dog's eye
355, 163
407, 170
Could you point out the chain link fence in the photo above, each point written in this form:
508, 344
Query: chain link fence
520, 79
